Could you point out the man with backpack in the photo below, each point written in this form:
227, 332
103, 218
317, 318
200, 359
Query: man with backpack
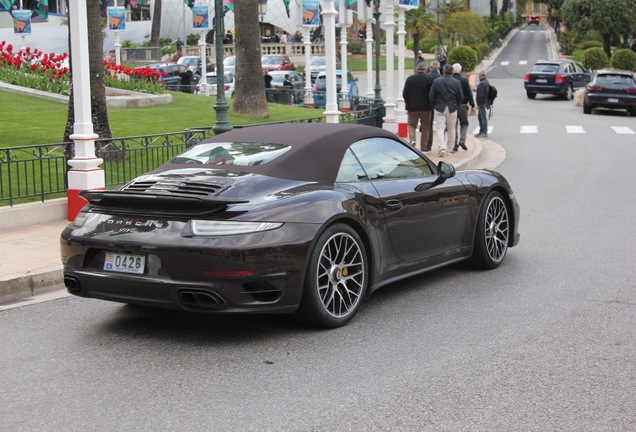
483, 103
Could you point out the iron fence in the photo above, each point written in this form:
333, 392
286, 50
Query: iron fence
37, 173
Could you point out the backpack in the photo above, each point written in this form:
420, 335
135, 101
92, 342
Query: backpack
492, 94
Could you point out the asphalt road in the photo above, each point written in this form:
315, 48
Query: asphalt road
544, 343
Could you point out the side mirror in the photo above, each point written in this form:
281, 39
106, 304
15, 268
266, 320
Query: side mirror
445, 171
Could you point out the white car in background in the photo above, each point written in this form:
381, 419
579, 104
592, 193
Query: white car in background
207, 86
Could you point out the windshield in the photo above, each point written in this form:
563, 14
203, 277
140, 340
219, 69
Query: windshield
243, 154
545, 68
230, 61
271, 60
318, 61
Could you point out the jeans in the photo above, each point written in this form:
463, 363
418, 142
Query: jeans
462, 119
482, 116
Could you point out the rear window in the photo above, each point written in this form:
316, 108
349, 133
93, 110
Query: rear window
614, 79
545, 68
242, 154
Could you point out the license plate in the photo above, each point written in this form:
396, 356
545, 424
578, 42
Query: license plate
612, 100
542, 81
124, 263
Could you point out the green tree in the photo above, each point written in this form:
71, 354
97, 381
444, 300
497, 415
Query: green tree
249, 98
466, 28
465, 56
608, 17
418, 23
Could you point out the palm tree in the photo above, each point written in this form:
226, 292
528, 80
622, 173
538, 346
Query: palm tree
96, 66
418, 23
155, 30
250, 96
452, 7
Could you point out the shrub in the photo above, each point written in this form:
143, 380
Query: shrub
465, 56
591, 44
482, 50
595, 58
357, 47
428, 45
624, 59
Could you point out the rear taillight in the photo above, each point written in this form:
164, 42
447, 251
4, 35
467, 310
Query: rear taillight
559, 79
631, 90
527, 77
594, 88
226, 87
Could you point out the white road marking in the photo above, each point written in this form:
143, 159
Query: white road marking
505, 63
529, 129
575, 129
623, 130
523, 62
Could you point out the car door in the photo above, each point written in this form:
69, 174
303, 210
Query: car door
582, 75
423, 217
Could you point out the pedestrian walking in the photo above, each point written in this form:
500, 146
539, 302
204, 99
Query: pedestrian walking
433, 71
482, 105
445, 96
418, 106
462, 111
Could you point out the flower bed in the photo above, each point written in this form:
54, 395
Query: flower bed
49, 72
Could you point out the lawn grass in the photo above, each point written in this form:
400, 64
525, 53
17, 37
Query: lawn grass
29, 120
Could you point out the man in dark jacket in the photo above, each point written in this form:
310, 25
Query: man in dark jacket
415, 93
446, 97
482, 105
462, 111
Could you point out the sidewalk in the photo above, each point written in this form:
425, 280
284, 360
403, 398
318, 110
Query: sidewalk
30, 256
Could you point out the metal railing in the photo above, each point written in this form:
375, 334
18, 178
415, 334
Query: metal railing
39, 172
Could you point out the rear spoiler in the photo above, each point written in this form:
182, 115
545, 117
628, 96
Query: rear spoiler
136, 200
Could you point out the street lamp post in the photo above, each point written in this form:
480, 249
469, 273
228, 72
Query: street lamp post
221, 107
262, 8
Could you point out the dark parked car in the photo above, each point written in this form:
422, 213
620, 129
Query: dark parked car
195, 65
278, 93
556, 77
170, 71
277, 62
611, 88
319, 64
533, 19
320, 87
294, 218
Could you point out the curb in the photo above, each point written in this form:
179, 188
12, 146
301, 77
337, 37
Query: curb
31, 285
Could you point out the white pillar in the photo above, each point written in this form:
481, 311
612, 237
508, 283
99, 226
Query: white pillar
401, 54
329, 22
345, 103
390, 121
309, 92
369, 41
117, 49
85, 172
203, 72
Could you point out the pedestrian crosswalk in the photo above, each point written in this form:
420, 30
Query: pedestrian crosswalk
570, 129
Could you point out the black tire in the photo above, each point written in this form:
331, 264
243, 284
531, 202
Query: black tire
337, 279
587, 109
531, 95
633, 112
569, 92
492, 234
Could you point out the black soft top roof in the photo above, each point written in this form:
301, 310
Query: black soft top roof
316, 150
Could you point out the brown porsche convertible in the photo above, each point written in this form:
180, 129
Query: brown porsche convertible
297, 218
